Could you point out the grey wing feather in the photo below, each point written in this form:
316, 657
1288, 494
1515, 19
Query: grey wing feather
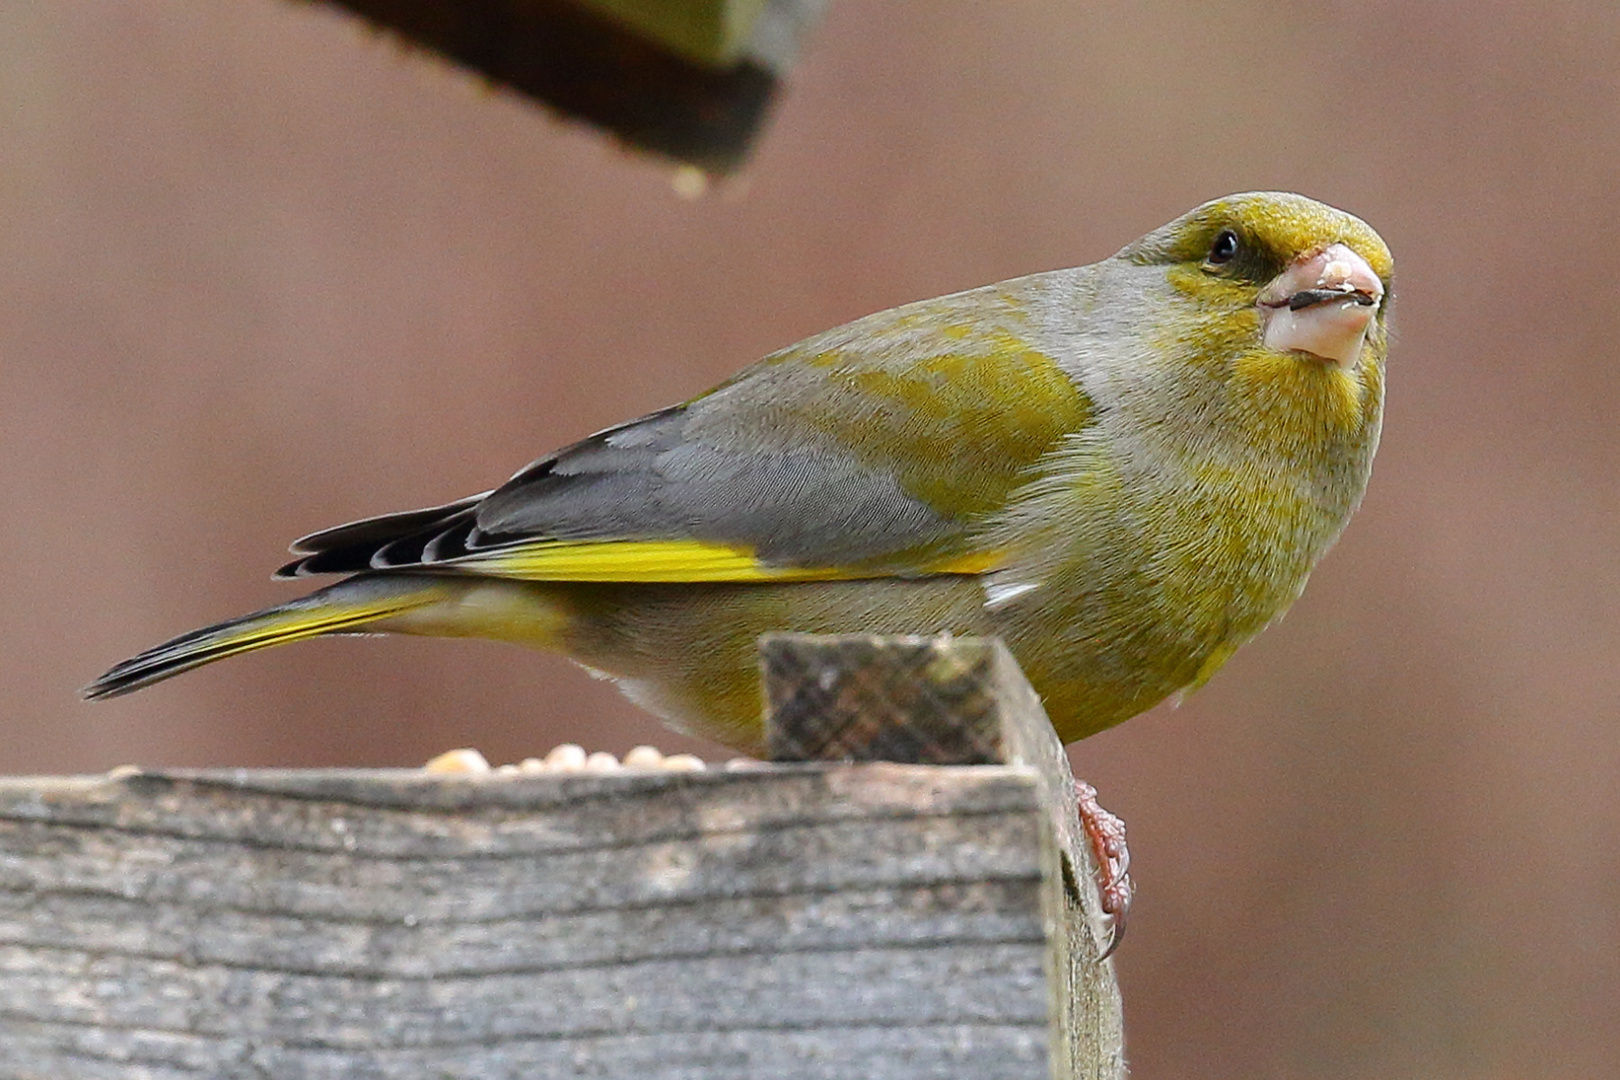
732, 467
751, 463
727, 468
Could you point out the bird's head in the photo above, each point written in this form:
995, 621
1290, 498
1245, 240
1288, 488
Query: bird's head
1284, 301
1306, 278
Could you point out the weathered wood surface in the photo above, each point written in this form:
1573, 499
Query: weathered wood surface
794, 921
955, 701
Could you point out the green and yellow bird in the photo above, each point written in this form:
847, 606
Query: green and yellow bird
1125, 470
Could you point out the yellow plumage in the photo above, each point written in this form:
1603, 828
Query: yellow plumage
1126, 470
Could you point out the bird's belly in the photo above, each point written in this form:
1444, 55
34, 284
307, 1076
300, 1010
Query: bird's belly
689, 654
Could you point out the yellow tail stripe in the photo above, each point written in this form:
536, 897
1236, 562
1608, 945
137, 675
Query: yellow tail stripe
285, 629
302, 619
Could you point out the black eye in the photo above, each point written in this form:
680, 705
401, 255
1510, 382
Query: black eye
1224, 247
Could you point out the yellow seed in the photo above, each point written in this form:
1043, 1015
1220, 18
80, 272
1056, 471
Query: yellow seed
567, 756
602, 761
465, 761
643, 757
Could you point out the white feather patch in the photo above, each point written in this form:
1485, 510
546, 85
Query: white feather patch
998, 594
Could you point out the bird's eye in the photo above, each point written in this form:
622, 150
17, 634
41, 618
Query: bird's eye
1224, 248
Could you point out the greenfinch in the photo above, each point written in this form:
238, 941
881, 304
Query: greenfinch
1125, 470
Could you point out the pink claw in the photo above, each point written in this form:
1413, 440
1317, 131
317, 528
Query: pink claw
1107, 834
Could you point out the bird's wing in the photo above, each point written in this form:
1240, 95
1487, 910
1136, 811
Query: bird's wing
872, 450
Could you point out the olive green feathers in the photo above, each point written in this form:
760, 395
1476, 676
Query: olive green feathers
1126, 470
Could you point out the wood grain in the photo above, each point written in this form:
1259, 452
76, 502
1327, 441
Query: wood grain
788, 920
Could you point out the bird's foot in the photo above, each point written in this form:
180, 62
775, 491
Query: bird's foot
1107, 835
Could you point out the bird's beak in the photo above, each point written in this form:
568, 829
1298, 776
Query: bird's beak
1322, 305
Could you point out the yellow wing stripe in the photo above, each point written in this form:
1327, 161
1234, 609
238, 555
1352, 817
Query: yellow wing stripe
974, 562
675, 561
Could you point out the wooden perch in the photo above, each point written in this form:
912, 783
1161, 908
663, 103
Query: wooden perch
693, 80
869, 919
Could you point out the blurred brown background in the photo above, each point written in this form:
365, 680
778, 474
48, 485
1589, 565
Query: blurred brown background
263, 271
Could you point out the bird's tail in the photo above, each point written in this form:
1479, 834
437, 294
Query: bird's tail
350, 606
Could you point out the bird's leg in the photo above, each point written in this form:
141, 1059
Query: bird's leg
1107, 834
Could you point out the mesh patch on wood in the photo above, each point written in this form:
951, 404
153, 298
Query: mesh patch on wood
917, 700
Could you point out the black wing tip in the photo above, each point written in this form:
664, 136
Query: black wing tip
408, 551
292, 570
382, 528
342, 561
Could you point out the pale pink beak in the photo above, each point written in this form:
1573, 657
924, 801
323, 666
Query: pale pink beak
1322, 305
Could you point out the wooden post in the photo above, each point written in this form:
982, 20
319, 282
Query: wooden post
790, 921
961, 701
